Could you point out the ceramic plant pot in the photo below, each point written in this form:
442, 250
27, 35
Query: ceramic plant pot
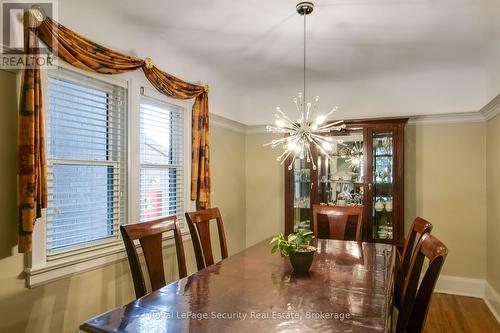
301, 261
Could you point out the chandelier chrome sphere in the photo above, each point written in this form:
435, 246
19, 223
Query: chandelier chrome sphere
309, 129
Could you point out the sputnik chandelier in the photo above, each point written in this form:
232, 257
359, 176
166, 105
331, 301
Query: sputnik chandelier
300, 134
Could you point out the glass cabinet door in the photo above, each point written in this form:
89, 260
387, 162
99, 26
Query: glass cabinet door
382, 185
341, 174
301, 195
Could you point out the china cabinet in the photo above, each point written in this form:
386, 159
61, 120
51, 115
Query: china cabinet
365, 168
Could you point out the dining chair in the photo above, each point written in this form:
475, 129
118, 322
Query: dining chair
419, 227
199, 227
416, 297
337, 218
149, 235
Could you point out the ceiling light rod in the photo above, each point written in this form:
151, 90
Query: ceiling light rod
305, 8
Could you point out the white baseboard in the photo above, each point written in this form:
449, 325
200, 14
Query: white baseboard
470, 287
462, 286
492, 299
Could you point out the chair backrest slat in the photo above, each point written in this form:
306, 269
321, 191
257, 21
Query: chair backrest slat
153, 254
419, 227
203, 230
337, 218
199, 227
416, 299
149, 235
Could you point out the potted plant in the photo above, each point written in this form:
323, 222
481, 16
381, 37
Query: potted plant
296, 247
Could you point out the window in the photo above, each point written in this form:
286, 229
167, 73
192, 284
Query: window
86, 161
114, 156
161, 159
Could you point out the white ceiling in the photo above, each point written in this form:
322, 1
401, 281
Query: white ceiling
254, 40
371, 58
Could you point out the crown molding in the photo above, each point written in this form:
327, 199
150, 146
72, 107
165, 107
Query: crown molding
224, 122
448, 118
492, 109
254, 129
489, 111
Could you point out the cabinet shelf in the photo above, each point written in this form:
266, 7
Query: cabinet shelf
343, 182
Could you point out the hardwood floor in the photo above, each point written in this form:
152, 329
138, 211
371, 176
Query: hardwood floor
450, 313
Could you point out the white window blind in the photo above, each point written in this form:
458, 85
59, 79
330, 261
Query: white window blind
86, 160
161, 158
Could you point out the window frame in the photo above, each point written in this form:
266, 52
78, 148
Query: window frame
119, 166
160, 103
38, 269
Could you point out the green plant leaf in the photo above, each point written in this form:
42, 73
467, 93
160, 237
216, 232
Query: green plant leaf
275, 239
307, 233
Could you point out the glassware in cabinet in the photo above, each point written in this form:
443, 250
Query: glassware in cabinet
383, 189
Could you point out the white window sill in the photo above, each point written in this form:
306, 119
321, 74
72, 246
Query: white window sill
66, 266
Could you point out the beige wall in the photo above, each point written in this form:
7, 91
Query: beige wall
410, 175
493, 212
228, 185
264, 189
61, 305
449, 189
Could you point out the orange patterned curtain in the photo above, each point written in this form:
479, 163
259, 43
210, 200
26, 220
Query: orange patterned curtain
31, 176
85, 54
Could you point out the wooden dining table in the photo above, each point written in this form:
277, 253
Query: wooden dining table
348, 289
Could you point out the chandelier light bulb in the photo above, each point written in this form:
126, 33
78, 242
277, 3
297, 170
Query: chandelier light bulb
320, 120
